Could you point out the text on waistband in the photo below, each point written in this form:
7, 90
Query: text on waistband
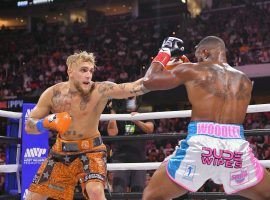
219, 130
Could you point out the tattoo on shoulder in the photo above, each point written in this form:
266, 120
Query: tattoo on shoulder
244, 91
220, 83
56, 96
210, 83
60, 101
105, 87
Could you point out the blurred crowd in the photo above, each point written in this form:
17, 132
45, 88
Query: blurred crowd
30, 61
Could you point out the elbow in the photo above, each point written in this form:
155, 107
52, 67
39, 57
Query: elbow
150, 129
112, 132
148, 83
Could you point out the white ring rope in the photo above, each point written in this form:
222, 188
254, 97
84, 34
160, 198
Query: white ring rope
116, 166
153, 115
9, 114
173, 114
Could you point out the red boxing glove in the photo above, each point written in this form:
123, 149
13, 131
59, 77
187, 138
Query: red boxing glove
171, 47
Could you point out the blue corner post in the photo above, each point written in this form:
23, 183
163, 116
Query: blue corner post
11, 152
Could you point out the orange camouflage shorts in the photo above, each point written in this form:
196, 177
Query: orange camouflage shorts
68, 163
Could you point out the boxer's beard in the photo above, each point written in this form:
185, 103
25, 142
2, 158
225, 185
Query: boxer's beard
81, 90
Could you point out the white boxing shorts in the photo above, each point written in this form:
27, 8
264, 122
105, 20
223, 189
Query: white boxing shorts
214, 151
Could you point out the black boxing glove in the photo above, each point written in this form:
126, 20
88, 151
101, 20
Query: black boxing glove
171, 47
175, 45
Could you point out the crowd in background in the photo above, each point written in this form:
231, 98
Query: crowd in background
31, 61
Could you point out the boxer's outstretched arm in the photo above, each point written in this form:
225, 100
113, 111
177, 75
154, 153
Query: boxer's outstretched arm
158, 78
121, 91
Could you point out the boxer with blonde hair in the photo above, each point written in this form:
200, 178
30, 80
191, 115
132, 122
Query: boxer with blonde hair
78, 153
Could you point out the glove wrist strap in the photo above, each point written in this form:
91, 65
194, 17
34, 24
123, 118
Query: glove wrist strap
40, 126
163, 57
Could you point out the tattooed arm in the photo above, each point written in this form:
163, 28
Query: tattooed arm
121, 91
41, 110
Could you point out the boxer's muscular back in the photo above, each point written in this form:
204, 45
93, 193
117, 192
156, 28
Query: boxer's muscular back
219, 93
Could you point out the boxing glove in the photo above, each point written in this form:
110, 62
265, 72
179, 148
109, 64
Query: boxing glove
171, 47
58, 122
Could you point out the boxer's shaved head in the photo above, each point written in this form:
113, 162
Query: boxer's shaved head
211, 42
211, 48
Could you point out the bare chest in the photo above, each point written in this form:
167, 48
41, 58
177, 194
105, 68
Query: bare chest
73, 103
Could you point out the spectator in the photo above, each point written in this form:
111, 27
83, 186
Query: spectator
128, 152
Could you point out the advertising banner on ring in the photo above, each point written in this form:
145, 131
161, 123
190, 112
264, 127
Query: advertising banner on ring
34, 151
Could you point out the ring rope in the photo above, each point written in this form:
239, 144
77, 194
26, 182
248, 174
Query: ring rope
117, 166
10, 114
173, 114
153, 115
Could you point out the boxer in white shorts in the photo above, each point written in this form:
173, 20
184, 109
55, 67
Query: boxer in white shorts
214, 151
215, 147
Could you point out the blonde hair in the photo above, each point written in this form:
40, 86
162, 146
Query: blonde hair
83, 56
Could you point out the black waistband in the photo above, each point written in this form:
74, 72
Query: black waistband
74, 146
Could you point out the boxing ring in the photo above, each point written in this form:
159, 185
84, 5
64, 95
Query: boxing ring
16, 168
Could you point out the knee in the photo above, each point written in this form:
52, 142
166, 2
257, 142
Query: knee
32, 195
95, 191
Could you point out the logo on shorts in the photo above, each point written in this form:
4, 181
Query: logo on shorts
221, 157
189, 172
219, 130
85, 145
239, 177
56, 187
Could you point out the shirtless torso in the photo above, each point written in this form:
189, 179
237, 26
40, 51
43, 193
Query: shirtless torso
219, 96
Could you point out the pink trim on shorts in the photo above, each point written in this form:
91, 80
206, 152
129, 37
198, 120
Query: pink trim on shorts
259, 172
172, 179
